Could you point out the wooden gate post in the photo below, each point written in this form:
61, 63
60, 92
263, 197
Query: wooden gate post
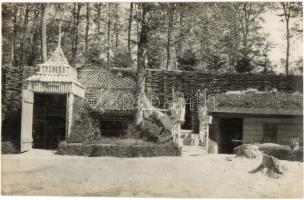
69, 114
178, 133
204, 121
173, 129
26, 138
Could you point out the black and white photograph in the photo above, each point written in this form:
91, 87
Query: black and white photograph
152, 99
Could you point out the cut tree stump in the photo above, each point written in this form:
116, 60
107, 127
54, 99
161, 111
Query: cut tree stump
272, 164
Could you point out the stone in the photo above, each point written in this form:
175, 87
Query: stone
247, 150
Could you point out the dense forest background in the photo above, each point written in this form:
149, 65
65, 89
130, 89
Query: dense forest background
217, 37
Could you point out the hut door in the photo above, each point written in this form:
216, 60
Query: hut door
26, 138
231, 134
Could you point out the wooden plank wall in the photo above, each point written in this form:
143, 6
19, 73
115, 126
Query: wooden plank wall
287, 129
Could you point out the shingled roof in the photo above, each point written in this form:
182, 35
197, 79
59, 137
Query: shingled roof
104, 78
57, 58
56, 76
107, 91
56, 69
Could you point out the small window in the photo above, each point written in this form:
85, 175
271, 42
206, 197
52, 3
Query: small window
270, 131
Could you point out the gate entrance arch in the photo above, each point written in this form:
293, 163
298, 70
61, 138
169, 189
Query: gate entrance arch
55, 79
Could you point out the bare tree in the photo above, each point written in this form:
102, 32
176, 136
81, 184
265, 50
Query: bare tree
287, 12
76, 16
87, 32
116, 28
43, 32
34, 34
98, 17
109, 32
141, 66
25, 23
169, 33
130, 28
14, 35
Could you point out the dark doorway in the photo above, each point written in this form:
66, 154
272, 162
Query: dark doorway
187, 124
49, 120
113, 128
231, 134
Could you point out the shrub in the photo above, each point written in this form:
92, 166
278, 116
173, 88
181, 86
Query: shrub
153, 131
282, 152
84, 125
132, 131
8, 147
65, 148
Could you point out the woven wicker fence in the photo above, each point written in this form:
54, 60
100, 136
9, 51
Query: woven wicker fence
161, 82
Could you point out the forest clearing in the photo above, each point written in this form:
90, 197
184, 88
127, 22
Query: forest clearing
152, 99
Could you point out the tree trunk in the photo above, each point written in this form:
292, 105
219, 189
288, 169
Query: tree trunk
286, 9
116, 33
109, 31
141, 71
75, 31
180, 38
31, 58
170, 27
43, 32
98, 17
129, 29
77, 27
72, 31
14, 35
87, 32
287, 47
25, 23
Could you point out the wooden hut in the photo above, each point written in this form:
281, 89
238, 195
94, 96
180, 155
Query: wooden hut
111, 95
255, 117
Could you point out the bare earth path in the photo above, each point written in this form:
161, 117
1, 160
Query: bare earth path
41, 172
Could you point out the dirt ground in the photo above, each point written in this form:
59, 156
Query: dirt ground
41, 172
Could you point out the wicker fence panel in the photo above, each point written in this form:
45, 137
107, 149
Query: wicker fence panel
162, 81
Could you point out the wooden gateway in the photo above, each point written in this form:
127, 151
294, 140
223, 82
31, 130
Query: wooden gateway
47, 103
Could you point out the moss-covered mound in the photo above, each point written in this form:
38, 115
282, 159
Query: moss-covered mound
273, 100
